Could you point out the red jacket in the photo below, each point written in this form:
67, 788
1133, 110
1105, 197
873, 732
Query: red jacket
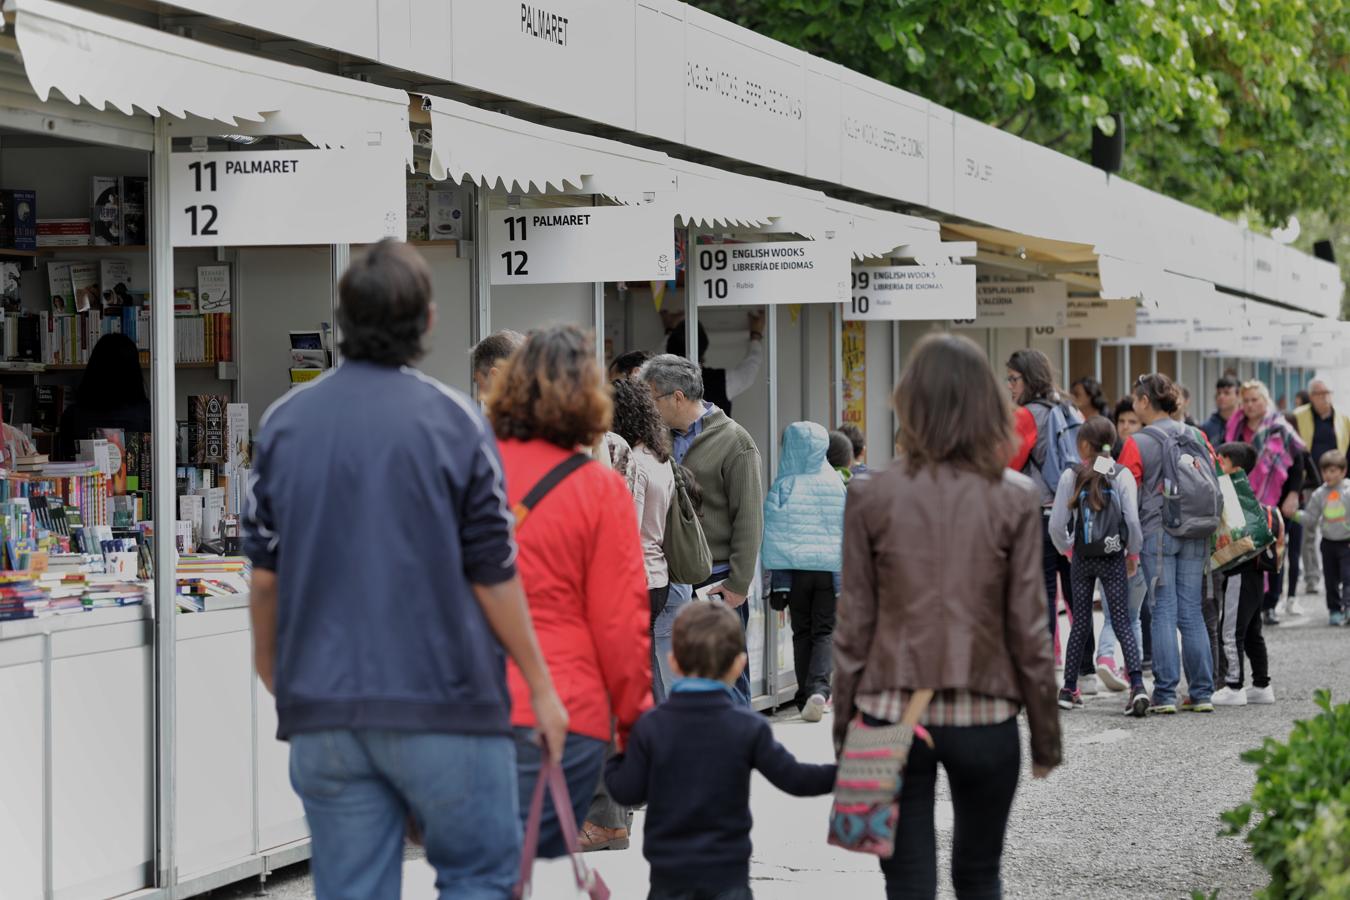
1025, 424
580, 560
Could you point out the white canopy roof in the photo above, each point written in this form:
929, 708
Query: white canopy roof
105, 61
520, 156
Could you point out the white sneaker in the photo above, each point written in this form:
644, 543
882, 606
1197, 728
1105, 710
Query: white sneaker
1087, 684
1256, 695
1226, 696
814, 709
1291, 607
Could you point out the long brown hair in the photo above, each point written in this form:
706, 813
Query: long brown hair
952, 410
1038, 375
552, 388
1099, 434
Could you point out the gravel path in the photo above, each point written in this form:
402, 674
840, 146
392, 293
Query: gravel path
1132, 813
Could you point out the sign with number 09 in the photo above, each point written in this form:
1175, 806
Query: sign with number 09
271, 197
911, 293
581, 244
770, 272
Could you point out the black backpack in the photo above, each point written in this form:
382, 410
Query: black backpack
1100, 533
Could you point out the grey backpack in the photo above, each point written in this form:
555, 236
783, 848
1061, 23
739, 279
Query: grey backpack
1192, 504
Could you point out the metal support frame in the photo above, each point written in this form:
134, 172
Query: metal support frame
339, 259
771, 386
479, 280
165, 429
690, 305
1064, 363
897, 367
837, 361
1123, 362
1097, 360
598, 313
1153, 358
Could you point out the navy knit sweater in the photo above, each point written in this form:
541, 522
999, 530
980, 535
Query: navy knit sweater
689, 760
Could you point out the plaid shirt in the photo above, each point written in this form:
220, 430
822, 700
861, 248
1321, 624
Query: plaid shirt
951, 707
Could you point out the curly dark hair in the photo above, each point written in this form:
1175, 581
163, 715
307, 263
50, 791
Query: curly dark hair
384, 305
636, 419
551, 389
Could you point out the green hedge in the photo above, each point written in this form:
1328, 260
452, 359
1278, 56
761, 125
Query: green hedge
1302, 804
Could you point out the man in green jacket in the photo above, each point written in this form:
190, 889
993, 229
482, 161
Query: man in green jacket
1322, 428
726, 464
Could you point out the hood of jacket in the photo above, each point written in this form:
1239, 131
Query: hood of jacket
804, 448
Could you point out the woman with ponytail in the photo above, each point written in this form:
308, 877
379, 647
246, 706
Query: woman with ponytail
1095, 522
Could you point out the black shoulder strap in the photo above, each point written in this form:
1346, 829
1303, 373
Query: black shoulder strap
551, 479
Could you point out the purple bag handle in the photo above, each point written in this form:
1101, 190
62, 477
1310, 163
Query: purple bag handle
588, 880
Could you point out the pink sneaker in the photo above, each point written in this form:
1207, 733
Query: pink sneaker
1111, 674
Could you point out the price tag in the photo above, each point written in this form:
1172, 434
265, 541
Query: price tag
581, 244
911, 293
271, 197
770, 273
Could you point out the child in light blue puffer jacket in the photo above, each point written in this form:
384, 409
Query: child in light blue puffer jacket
803, 549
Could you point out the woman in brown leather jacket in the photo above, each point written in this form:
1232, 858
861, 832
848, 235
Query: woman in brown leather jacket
943, 589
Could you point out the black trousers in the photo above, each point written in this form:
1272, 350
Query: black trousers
1293, 556
1336, 573
1058, 572
982, 764
681, 892
812, 604
1249, 640
1274, 581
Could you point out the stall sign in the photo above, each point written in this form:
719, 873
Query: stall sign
1088, 318
1018, 304
581, 244
771, 272
911, 293
285, 197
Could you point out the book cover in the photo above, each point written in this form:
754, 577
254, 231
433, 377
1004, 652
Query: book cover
135, 193
61, 287
48, 404
117, 458
18, 219
106, 210
207, 412
63, 232
213, 288
115, 281
237, 434
184, 302
30, 338
84, 283
9, 286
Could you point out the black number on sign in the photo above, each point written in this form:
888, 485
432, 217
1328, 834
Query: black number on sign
712, 260
197, 173
861, 280
208, 213
861, 305
511, 227
515, 262
715, 288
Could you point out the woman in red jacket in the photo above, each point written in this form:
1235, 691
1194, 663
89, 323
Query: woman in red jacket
580, 560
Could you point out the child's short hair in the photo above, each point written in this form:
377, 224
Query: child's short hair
706, 639
1332, 459
840, 452
1240, 454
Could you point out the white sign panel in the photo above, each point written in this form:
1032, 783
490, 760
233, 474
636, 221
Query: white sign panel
1094, 318
1019, 304
772, 272
580, 244
567, 55
269, 197
912, 293
744, 95
884, 139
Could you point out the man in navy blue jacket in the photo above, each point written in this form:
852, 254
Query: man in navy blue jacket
384, 592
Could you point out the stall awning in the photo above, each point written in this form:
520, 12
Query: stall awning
878, 232
104, 62
711, 198
519, 156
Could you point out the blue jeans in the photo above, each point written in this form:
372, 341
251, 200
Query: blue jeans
1106, 642
662, 676
742, 686
1175, 583
359, 786
583, 758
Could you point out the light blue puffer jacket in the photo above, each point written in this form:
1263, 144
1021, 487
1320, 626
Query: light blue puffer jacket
804, 509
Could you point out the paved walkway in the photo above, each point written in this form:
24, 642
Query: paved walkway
1133, 812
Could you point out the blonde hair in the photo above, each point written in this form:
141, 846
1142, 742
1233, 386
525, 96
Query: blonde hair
1259, 387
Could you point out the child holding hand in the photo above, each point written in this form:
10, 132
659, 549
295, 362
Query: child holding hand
1095, 521
690, 759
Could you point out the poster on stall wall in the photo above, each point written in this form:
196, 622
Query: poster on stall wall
855, 374
1018, 304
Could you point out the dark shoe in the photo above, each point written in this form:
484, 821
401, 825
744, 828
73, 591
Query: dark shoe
1138, 705
1070, 699
1269, 617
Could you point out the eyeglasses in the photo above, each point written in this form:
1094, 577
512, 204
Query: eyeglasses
664, 396
1013, 379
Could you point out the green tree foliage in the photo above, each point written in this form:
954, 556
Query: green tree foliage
1232, 105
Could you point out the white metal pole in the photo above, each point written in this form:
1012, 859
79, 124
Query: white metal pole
690, 302
1097, 360
165, 431
598, 312
479, 279
837, 316
339, 259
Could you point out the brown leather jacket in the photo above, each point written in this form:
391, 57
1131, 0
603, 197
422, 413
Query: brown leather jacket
943, 588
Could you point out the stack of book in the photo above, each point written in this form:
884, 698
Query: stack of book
20, 596
31, 463
207, 583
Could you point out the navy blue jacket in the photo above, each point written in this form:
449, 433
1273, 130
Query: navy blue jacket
377, 498
689, 760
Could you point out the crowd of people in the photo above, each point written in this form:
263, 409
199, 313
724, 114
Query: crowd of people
447, 597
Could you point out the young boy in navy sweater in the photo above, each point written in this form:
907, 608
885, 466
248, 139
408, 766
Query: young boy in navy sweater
690, 759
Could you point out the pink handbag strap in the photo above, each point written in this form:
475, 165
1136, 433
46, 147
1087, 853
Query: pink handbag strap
551, 777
